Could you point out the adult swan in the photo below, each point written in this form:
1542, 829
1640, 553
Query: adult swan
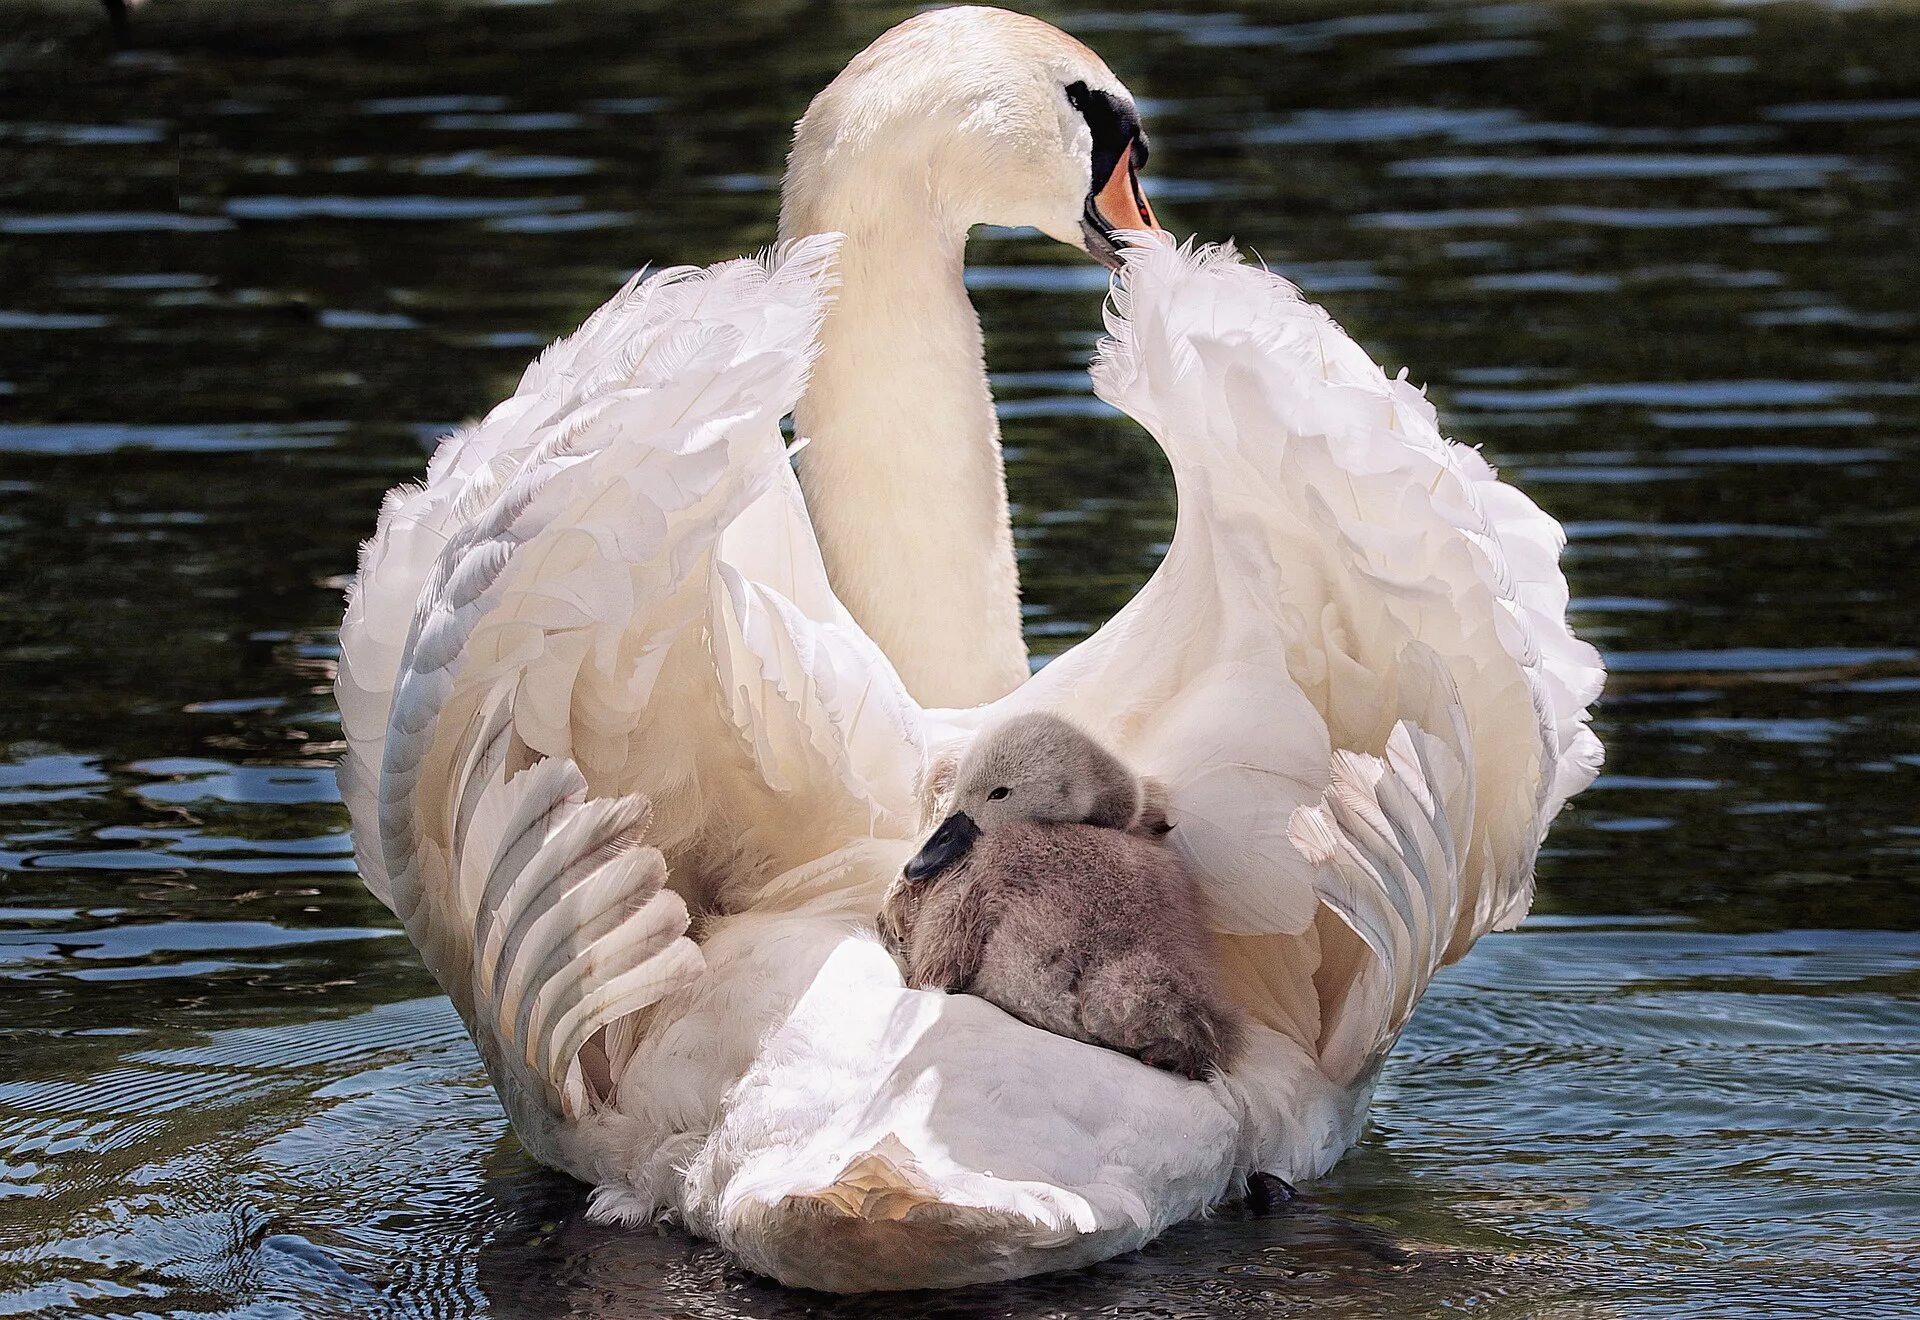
637, 735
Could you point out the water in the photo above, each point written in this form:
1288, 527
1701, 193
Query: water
1659, 261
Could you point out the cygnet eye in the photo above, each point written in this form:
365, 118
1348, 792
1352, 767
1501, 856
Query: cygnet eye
997, 794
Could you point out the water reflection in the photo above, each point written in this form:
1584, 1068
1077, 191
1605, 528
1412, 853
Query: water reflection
1657, 259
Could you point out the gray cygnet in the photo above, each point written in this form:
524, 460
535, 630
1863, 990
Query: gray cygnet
1048, 891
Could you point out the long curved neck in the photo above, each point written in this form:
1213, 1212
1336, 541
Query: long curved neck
902, 469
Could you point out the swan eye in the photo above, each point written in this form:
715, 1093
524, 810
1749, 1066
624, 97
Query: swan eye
1116, 129
996, 795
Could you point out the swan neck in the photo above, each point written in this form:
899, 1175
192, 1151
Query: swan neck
902, 469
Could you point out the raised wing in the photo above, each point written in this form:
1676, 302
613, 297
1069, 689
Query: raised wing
1353, 668
602, 617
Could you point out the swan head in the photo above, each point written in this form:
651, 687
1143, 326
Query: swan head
1033, 769
970, 116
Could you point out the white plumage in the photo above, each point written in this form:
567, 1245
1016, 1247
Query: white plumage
594, 679
1338, 653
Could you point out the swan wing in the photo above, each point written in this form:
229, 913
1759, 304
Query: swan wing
598, 636
1353, 670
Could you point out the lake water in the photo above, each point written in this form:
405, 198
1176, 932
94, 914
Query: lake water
1660, 261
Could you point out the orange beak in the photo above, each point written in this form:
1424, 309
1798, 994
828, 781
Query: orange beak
1118, 204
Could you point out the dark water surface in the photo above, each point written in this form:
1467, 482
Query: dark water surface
1661, 261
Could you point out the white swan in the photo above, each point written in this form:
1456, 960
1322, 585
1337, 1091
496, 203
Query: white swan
605, 618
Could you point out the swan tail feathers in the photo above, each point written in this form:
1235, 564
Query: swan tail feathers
898, 1169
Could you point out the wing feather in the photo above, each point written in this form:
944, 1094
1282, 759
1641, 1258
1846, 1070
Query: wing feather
533, 661
1353, 666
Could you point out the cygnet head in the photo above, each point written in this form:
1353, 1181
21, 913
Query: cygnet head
1035, 768
968, 116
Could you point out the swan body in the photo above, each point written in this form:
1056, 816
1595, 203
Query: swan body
638, 733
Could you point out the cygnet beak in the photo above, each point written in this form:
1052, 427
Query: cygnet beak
952, 841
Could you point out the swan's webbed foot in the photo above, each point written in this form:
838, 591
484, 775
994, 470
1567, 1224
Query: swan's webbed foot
1266, 1193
